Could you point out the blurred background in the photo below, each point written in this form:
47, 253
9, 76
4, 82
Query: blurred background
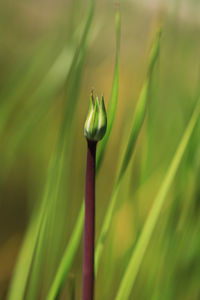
38, 42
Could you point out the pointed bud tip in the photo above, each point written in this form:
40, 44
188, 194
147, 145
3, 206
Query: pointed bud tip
96, 121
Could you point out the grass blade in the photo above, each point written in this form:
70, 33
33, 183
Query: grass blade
113, 97
144, 239
136, 126
72, 93
44, 96
72, 246
28, 73
21, 272
20, 278
39, 102
53, 196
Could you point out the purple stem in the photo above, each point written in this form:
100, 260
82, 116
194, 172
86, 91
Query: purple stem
89, 226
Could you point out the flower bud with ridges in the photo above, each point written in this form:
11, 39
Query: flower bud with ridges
96, 121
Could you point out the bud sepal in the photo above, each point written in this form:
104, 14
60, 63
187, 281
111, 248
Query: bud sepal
96, 121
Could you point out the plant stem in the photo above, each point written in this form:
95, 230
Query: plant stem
89, 226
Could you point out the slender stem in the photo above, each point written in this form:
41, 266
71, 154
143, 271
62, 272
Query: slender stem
89, 226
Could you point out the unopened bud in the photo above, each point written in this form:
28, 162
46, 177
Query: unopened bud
96, 121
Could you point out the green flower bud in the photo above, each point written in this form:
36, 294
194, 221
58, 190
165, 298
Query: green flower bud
96, 121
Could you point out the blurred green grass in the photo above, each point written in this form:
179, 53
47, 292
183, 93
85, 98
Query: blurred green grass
38, 42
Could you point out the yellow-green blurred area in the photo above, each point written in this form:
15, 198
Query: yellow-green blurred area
38, 40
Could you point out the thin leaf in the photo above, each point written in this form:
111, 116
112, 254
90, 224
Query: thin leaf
137, 256
39, 102
72, 246
113, 98
53, 196
136, 127
20, 277
68, 256
27, 73
21, 272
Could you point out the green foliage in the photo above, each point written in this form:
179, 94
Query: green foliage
112, 108
147, 208
147, 231
72, 246
135, 129
34, 254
